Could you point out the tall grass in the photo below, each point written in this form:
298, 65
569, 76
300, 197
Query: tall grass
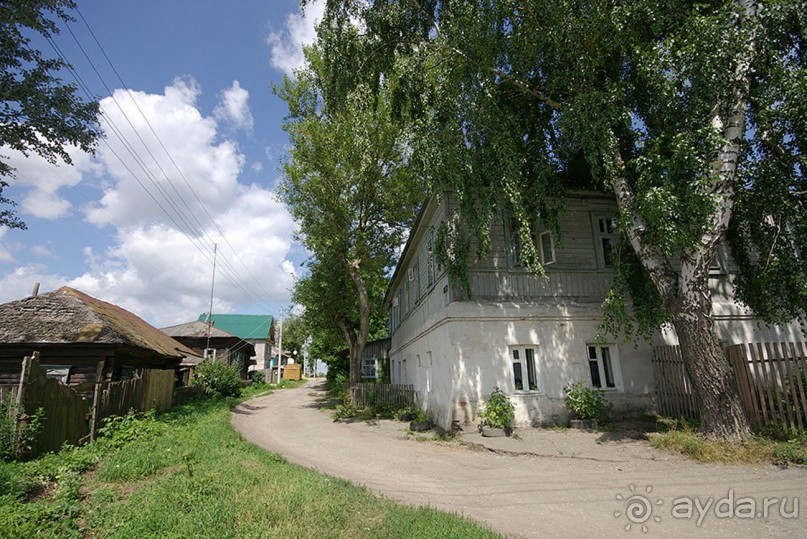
189, 474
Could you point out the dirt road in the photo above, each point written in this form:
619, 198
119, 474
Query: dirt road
569, 494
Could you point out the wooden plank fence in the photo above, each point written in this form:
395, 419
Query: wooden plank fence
68, 416
391, 396
153, 389
771, 379
674, 393
65, 411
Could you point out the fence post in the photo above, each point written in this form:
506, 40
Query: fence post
96, 399
25, 376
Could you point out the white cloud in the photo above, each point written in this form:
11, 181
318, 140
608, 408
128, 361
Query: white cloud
234, 108
154, 269
257, 166
41, 181
299, 29
199, 176
6, 247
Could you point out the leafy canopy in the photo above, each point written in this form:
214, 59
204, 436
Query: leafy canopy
39, 113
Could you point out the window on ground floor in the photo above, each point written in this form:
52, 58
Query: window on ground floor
604, 369
525, 371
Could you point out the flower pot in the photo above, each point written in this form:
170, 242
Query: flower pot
420, 426
488, 432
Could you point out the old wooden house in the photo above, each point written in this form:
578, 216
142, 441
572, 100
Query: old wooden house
214, 343
81, 340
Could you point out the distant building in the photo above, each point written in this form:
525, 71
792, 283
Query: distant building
220, 345
256, 329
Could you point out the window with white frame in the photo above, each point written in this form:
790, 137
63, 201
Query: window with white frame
430, 260
606, 236
395, 313
604, 369
413, 285
525, 371
541, 238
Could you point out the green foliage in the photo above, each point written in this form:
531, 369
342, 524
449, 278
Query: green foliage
498, 412
258, 377
40, 114
220, 379
584, 402
121, 430
348, 185
18, 430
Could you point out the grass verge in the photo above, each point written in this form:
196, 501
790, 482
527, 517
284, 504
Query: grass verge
683, 438
187, 473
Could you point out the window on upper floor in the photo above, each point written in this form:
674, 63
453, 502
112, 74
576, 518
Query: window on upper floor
604, 368
395, 313
413, 285
431, 265
541, 237
525, 372
606, 236
719, 264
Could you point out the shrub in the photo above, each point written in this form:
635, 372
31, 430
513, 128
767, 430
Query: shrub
18, 432
586, 403
258, 377
498, 412
220, 379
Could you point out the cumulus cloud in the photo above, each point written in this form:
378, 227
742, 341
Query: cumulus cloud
196, 175
43, 182
299, 29
234, 108
159, 266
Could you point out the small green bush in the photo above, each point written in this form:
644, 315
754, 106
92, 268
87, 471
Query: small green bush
17, 436
258, 377
586, 403
499, 412
220, 379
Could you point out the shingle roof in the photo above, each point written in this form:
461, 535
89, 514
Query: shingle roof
68, 316
245, 326
195, 329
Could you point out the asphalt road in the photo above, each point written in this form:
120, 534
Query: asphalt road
615, 494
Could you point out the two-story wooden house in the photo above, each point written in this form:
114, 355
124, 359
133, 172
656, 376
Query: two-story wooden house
527, 335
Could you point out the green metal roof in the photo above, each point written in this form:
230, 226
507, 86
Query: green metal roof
245, 326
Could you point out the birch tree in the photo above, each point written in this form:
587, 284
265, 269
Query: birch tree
692, 114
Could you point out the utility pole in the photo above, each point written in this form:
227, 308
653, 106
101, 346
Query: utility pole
280, 345
212, 287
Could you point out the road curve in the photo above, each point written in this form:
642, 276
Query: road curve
523, 496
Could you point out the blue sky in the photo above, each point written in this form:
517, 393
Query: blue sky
191, 157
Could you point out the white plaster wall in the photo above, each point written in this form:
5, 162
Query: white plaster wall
457, 362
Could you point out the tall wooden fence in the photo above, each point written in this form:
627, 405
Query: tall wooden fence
65, 412
153, 390
69, 418
390, 396
674, 394
771, 378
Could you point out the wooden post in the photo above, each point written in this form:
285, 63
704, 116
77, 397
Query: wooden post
25, 375
96, 398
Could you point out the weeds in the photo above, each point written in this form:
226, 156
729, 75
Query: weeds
681, 436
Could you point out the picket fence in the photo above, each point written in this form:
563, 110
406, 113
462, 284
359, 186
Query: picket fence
771, 379
390, 396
